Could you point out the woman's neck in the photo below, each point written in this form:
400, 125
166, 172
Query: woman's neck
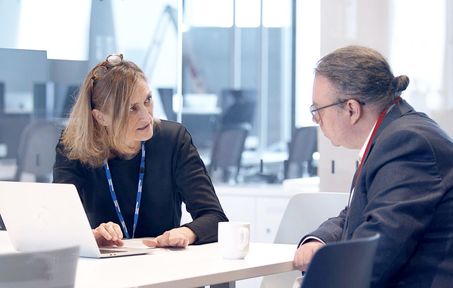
135, 146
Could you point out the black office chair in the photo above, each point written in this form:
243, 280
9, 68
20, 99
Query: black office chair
36, 152
300, 157
342, 264
227, 151
238, 106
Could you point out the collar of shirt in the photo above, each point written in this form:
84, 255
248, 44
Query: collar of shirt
362, 150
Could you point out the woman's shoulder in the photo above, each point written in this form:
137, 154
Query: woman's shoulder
167, 124
168, 131
169, 128
62, 159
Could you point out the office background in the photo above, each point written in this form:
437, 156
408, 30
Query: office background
216, 62
200, 54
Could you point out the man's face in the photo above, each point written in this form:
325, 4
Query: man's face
333, 120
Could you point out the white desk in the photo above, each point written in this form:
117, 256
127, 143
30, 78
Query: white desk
192, 267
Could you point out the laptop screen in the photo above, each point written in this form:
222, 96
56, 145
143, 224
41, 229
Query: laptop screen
43, 216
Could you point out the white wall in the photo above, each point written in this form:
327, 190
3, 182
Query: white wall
416, 37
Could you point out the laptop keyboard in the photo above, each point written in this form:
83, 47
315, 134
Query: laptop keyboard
107, 251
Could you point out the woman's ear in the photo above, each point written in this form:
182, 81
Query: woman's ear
100, 117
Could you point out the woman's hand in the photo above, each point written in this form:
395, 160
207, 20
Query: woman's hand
108, 234
177, 237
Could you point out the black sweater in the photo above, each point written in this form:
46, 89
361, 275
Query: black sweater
174, 173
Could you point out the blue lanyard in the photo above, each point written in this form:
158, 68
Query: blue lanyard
139, 194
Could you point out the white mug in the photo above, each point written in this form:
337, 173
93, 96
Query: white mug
234, 239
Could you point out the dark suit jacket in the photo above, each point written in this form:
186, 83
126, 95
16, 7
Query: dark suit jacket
405, 193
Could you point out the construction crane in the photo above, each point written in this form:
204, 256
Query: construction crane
167, 17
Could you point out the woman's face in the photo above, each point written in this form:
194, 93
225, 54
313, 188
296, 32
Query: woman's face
140, 121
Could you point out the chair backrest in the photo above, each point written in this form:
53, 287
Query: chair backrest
303, 214
36, 152
43, 269
228, 147
342, 264
238, 106
306, 211
304, 143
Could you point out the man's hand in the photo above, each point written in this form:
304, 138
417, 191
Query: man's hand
305, 253
177, 237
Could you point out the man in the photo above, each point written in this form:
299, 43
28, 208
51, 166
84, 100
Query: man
403, 188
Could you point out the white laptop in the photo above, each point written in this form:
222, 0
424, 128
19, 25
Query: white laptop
40, 216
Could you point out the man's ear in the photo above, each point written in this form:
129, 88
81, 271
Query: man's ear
355, 110
100, 117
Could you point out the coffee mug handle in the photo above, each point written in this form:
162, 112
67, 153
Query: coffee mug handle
244, 237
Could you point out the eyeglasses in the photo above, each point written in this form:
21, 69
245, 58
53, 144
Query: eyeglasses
315, 110
102, 69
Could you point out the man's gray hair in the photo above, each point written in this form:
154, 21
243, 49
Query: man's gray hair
363, 74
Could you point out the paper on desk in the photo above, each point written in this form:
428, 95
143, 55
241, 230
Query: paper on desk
136, 243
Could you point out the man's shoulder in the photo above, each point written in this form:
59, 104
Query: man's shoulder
416, 123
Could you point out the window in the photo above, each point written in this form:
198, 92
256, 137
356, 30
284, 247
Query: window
60, 27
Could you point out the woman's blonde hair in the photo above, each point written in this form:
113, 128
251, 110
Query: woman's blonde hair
107, 87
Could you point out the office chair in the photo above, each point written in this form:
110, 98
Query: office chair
342, 264
304, 213
238, 106
227, 151
43, 269
36, 151
303, 144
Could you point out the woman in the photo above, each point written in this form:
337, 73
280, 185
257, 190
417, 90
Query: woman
133, 171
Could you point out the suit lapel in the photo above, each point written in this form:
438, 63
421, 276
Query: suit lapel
396, 112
